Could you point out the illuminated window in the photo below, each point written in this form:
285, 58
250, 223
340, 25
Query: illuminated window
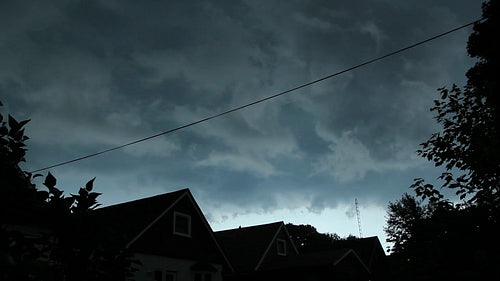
182, 224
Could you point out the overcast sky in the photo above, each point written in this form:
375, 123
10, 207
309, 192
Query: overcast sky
92, 75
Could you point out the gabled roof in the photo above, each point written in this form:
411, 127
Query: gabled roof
130, 220
329, 257
246, 247
368, 249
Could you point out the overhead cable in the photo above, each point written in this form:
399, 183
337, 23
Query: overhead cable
260, 100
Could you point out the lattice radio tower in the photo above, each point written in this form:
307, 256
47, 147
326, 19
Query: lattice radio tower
358, 217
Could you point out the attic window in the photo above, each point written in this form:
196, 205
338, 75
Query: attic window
182, 224
281, 247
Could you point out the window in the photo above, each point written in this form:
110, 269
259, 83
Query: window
203, 271
157, 275
182, 224
281, 247
205, 276
167, 275
170, 276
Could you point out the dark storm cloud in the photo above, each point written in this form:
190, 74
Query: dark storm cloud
96, 74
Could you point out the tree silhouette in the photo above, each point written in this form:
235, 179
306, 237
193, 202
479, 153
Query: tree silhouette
440, 239
470, 139
404, 216
307, 238
44, 234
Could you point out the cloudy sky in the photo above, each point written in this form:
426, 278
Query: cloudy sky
92, 75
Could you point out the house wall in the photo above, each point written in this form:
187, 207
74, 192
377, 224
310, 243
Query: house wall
160, 239
272, 254
151, 263
351, 269
160, 249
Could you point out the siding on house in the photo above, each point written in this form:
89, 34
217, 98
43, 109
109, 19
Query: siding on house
248, 247
182, 268
146, 226
272, 255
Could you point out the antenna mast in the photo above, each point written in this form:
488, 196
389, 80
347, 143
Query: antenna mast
358, 217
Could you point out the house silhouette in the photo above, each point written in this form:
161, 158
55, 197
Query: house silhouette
173, 240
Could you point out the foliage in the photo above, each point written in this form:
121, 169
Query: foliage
411, 223
14, 182
307, 238
403, 218
12, 140
439, 239
79, 251
44, 234
470, 139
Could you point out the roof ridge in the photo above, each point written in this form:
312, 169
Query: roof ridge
180, 191
251, 226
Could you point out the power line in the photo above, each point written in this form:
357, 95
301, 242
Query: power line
261, 100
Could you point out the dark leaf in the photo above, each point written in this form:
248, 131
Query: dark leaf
55, 191
90, 185
82, 192
93, 196
42, 194
4, 131
50, 181
22, 123
13, 124
68, 201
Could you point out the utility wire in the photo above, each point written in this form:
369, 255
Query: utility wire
261, 100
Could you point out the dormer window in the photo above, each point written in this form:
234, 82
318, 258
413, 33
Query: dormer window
182, 224
281, 247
